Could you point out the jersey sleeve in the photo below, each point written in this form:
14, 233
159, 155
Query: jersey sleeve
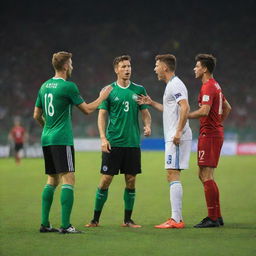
179, 92
104, 105
74, 94
207, 94
38, 101
143, 92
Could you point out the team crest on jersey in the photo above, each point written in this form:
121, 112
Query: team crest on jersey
169, 159
104, 168
177, 95
135, 97
206, 98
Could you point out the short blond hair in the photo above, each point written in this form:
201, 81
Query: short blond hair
168, 59
59, 59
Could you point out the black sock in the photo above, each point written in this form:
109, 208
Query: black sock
127, 215
96, 216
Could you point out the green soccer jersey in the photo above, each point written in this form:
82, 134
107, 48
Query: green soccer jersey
56, 98
123, 125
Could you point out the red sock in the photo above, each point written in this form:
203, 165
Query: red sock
218, 200
211, 198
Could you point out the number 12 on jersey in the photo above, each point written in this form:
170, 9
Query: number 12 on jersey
48, 104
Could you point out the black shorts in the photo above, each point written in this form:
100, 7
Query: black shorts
59, 159
18, 147
123, 159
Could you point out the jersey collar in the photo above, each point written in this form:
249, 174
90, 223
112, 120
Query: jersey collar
55, 78
171, 79
122, 86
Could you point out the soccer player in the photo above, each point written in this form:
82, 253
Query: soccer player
120, 141
213, 110
177, 133
53, 111
18, 136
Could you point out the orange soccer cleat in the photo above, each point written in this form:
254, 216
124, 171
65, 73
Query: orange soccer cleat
130, 224
92, 224
171, 223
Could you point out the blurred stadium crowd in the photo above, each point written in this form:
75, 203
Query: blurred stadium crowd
28, 42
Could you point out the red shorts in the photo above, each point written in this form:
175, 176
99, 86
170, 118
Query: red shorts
208, 151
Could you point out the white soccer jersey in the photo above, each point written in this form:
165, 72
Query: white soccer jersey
174, 92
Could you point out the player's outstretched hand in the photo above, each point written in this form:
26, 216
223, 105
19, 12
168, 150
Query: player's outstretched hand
105, 145
142, 99
105, 92
147, 131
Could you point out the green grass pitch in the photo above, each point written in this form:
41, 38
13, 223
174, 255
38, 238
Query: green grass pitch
20, 206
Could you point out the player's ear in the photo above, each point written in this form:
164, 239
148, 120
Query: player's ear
165, 67
65, 67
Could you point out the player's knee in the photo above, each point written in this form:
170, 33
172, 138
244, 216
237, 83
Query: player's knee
204, 178
68, 178
53, 180
55, 183
104, 185
105, 181
130, 181
169, 177
173, 175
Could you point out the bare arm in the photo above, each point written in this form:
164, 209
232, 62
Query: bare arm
184, 110
142, 99
202, 111
102, 117
158, 106
38, 116
91, 107
226, 110
146, 118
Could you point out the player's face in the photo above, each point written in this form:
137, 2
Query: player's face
124, 70
199, 70
69, 68
160, 70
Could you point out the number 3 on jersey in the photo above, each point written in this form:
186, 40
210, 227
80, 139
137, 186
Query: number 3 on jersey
49, 108
126, 106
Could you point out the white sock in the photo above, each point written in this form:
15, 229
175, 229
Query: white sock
176, 200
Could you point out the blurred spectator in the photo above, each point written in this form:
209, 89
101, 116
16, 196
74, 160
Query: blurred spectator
17, 137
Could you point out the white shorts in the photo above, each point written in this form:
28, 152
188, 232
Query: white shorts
177, 157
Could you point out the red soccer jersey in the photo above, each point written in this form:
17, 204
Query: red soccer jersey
18, 133
211, 94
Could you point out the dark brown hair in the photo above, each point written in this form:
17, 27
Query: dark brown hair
121, 58
59, 59
207, 60
168, 59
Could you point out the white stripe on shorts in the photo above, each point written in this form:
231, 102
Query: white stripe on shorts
69, 159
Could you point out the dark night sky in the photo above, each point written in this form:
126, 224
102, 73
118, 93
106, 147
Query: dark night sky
223, 28
148, 17
113, 11
97, 31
